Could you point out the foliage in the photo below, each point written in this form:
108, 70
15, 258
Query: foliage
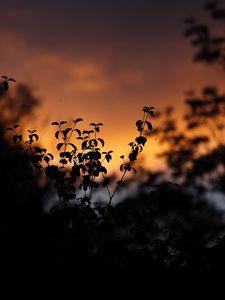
16, 104
206, 39
80, 166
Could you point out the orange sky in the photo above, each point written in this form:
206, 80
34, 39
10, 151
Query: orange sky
102, 62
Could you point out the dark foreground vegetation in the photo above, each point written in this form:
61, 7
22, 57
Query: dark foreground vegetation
165, 239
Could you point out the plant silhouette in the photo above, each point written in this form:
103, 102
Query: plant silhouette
165, 233
81, 165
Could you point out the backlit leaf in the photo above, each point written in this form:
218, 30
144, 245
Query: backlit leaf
101, 141
77, 120
59, 146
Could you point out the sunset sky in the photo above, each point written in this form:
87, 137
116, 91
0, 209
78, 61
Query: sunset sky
102, 60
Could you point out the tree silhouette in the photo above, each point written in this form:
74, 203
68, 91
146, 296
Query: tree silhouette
195, 151
17, 183
207, 39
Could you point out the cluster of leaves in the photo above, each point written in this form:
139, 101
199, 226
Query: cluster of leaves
209, 43
81, 167
196, 151
5, 82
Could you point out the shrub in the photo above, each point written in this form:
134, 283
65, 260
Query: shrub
82, 160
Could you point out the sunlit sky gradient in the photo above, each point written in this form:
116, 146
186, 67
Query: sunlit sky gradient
102, 60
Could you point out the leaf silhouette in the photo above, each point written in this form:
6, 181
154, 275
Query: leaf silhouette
149, 125
78, 131
59, 146
77, 120
62, 122
57, 134
101, 141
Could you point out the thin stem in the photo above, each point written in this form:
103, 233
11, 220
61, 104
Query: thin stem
145, 116
107, 187
116, 189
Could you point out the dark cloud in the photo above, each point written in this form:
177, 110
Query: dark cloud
84, 26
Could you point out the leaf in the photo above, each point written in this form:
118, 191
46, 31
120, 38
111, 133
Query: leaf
101, 141
12, 79
50, 155
93, 124
59, 146
77, 120
127, 167
99, 124
108, 157
139, 125
149, 125
139, 122
141, 140
121, 167
47, 159
5, 77
57, 134
63, 161
16, 126
9, 129
133, 155
17, 138
62, 122
78, 131
54, 123
84, 145
103, 170
36, 136
66, 131
148, 109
